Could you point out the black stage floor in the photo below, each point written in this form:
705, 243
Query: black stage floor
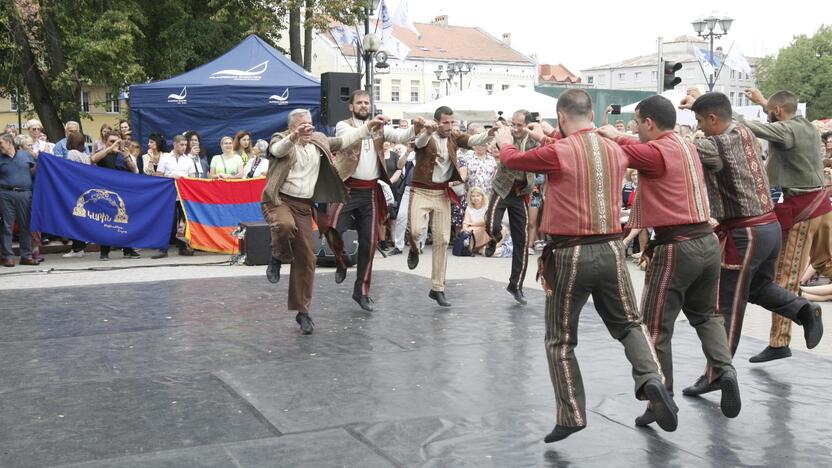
213, 372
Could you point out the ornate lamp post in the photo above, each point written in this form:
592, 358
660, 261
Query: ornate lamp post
710, 23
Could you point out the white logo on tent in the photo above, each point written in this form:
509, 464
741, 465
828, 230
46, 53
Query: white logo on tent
252, 73
179, 98
281, 100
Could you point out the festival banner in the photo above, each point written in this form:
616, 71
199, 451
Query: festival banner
102, 206
215, 208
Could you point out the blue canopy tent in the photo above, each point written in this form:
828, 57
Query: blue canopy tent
251, 87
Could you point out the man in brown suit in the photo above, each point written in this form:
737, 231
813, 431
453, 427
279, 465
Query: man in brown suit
302, 173
436, 166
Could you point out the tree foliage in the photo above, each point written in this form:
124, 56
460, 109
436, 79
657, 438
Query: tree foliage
804, 68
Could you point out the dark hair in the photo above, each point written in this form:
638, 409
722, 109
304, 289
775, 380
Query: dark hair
659, 109
713, 103
239, 136
785, 99
122, 121
75, 141
356, 93
825, 136
188, 136
442, 110
161, 144
575, 103
101, 130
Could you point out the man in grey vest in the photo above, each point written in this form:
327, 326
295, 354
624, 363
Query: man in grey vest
511, 191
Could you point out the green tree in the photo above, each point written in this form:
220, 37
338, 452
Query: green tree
49, 48
804, 68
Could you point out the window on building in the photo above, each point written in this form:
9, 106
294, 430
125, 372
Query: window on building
435, 87
505, 87
732, 74
637, 76
622, 77
590, 79
414, 90
13, 102
376, 90
653, 75
85, 101
748, 76
394, 90
731, 97
745, 99
113, 106
489, 88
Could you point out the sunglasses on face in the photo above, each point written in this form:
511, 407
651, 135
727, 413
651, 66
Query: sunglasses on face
35, 129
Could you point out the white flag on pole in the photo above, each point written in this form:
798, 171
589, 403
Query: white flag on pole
707, 61
737, 60
389, 42
400, 18
343, 35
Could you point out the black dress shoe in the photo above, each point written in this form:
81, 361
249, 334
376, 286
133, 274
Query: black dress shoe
810, 318
770, 354
439, 297
305, 322
518, 294
561, 432
273, 270
395, 251
364, 302
662, 404
412, 259
132, 254
340, 274
649, 416
701, 386
490, 248
730, 402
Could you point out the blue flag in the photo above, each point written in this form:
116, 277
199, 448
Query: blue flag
103, 206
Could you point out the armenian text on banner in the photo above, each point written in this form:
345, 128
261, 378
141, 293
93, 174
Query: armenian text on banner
214, 208
102, 206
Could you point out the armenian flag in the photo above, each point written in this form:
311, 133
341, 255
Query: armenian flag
214, 208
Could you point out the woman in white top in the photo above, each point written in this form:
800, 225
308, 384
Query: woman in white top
474, 219
227, 165
155, 149
257, 165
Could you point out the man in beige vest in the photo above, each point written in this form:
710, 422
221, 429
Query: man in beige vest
300, 174
361, 167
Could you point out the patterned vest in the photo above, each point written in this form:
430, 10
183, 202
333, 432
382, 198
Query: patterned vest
504, 178
679, 196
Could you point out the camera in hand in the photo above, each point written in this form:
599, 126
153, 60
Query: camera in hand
616, 108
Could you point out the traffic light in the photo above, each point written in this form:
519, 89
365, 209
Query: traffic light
670, 78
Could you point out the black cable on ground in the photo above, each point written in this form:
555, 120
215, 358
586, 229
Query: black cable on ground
114, 268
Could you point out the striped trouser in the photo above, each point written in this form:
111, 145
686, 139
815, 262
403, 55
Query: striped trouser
436, 202
518, 222
576, 273
753, 281
806, 242
685, 276
360, 211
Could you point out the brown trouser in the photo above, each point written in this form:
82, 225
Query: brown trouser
807, 241
292, 243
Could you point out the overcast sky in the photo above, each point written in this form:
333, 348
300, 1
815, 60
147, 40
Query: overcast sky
581, 34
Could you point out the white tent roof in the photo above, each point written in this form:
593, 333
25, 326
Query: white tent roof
477, 105
683, 116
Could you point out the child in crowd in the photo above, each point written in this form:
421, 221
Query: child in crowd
474, 219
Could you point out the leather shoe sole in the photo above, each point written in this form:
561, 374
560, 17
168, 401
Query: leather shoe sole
517, 294
730, 402
305, 322
273, 271
561, 432
412, 259
812, 325
439, 297
770, 354
662, 405
363, 302
340, 275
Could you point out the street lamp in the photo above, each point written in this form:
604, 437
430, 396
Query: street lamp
710, 23
370, 45
454, 69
